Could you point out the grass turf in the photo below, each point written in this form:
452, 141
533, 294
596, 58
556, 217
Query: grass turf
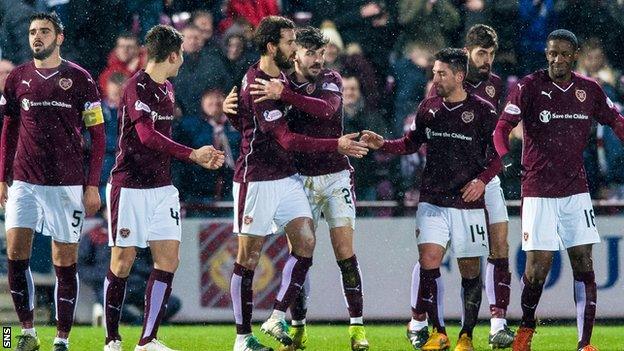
322, 337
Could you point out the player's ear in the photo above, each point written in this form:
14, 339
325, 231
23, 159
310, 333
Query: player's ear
60, 38
271, 48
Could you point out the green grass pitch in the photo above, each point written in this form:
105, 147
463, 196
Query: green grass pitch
323, 337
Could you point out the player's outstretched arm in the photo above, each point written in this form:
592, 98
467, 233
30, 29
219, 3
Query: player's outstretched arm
208, 157
346, 145
372, 140
324, 107
154, 140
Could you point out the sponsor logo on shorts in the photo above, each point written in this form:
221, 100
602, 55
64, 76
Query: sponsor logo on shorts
65, 83
247, 220
124, 232
525, 236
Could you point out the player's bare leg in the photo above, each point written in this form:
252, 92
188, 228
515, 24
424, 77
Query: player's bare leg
122, 259
247, 258
300, 234
584, 293
498, 285
470, 270
19, 246
537, 267
342, 243
165, 254
64, 258
427, 292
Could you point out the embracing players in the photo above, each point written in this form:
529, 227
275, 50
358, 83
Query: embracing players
457, 127
267, 188
47, 101
557, 107
316, 98
143, 205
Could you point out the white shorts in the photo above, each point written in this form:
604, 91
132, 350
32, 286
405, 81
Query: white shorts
260, 208
138, 216
464, 230
553, 224
55, 211
331, 195
495, 202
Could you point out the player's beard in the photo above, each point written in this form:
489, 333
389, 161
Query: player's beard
309, 75
45, 52
477, 74
440, 91
282, 61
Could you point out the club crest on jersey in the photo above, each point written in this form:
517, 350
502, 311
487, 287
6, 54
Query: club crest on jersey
581, 95
124, 232
65, 83
310, 88
272, 115
490, 90
467, 116
247, 220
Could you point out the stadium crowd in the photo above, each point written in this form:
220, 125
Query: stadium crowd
382, 49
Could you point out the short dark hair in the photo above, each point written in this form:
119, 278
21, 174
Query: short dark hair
311, 38
457, 59
270, 31
481, 35
52, 17
128, 35
161, 41
564, 34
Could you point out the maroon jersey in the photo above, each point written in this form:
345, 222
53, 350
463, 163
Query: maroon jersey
557, 121
459, 148
261, 156
52, 106
328, 124
143, 159
490, 90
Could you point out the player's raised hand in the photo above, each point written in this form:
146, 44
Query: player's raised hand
230, 104
91, 200
4, 194
208, 157
372, 140
473, 190
348, 145
267, 89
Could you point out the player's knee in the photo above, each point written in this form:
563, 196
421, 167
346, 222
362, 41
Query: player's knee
582, 263
343, 251
249, 259
429, 260
16, 252
499, 249
121, 267
305, 246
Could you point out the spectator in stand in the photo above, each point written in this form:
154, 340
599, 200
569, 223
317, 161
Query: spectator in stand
537, 19
210, 127
426, 21
15, 20
238, 57
604, 155
6, 67
200, 71
203, 21
126, 58
357, 117
410, 75
351, 61
252, 11
110, 105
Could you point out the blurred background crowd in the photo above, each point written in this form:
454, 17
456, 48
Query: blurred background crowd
383, 50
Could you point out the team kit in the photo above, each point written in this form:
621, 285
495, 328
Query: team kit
294, 172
